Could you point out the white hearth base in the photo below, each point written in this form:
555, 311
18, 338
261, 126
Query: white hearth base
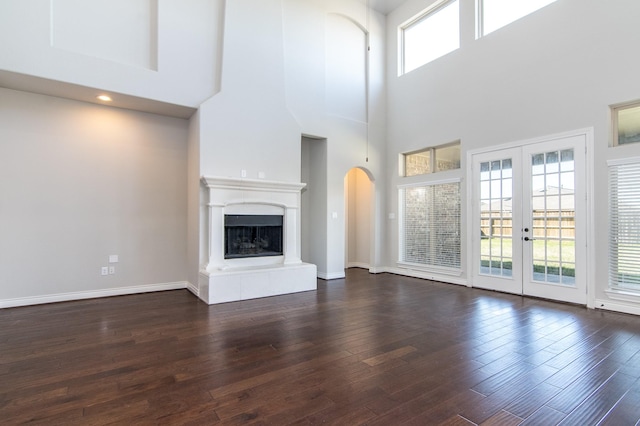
228, 285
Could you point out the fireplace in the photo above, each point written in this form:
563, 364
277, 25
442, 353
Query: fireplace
252, 240
252, 236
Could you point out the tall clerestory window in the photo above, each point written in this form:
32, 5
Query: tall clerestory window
495, 14
429, 35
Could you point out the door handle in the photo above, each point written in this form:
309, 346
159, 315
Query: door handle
528, 239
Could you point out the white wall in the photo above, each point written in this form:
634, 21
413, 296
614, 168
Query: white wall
79, 182
312, 99
247, 125
176, 58
280, 80
554, 71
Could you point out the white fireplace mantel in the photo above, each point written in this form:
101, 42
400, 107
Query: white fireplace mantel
252, 184
225, 280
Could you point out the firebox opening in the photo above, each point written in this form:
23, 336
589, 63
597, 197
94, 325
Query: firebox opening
252, 236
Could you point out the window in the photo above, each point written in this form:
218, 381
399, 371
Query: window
626, 123
430, 35
494, 14
624, 225
430, 225
431, 160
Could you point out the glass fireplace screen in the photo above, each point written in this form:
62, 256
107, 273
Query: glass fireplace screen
252, 236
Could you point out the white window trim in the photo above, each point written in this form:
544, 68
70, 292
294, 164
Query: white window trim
614, 120
430, 182
623, 161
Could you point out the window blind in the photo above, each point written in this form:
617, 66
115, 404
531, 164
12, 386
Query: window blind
624, 226
430, 225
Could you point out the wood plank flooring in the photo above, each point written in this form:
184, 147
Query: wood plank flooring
369, 349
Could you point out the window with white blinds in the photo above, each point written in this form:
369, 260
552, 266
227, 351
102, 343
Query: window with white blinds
624, 225
430, 225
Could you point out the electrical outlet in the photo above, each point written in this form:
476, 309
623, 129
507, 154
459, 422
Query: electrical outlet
243, 173
112, 270
104, 270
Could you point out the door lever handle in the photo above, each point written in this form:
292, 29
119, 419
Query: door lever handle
528, 239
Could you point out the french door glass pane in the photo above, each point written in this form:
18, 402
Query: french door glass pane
553, 216
496, 242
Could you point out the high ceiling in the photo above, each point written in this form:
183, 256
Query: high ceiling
385, 6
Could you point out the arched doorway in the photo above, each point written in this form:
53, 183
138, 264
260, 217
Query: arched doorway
359, 218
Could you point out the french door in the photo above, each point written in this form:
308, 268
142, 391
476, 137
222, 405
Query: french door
529, 220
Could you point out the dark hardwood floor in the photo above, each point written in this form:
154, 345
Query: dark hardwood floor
371, 349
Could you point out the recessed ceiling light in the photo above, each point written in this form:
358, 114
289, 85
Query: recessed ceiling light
104, 98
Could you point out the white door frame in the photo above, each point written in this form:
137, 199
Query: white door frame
588, 134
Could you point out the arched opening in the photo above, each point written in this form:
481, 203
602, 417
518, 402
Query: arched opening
359, 202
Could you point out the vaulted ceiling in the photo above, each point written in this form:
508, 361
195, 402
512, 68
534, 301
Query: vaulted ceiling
385, 6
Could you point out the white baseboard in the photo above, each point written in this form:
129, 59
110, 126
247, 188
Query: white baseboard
330, 275
93, 294
193, 289
360, 265
608, 305
399, 271
426, 275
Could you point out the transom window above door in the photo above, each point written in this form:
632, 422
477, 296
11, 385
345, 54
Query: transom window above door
431, 160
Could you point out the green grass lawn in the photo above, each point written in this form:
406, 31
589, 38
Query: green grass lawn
551, 250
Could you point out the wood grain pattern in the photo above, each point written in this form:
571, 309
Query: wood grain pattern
369, 349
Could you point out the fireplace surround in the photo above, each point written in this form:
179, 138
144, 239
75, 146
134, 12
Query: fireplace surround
261, 270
